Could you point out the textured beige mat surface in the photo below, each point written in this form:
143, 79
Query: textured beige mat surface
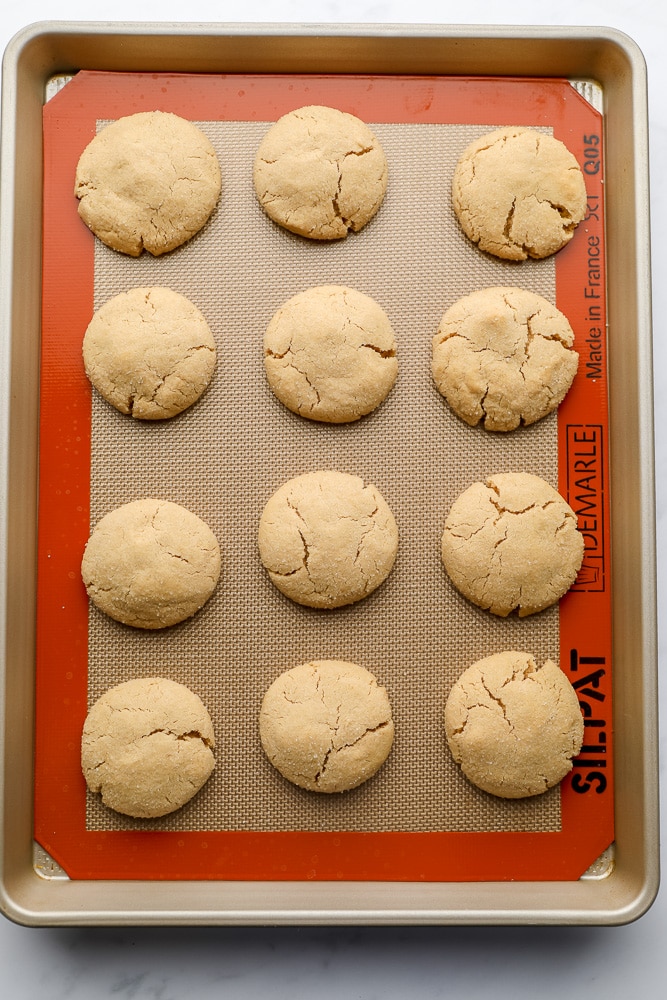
227, 454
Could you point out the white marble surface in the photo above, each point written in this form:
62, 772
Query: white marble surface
368, 963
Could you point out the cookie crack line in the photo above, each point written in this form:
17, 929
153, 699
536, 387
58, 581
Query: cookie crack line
358, 152
174, 555
269, 353
514, 513
469, 708
335, 750
498, 701
562, 210
507, 230
360, 546
482, 402
319, 688
318, 398
335, 200
306, 550
464, 531
193, 736
504, 511
564, 524
391, 353
163, 379
494, 488
323, 766
499, 541
162, 543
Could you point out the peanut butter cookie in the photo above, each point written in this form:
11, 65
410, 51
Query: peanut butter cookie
149, 352
327, 539
503, 357
330, 354
147, 747
518, 193
326, 725
148, 181
511, 543
150, 563
512, 726
320, 172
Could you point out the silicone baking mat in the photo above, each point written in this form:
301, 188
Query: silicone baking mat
418, 818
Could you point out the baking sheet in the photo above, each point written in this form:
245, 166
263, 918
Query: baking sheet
620, 886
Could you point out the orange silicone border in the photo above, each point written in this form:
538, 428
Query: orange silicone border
61, 702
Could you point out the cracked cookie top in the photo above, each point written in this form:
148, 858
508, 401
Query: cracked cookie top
518, 193
147, 181
330, 354
150, 563
149, 352
327, 539
147, 747
503, 357
320, 172
511, 543
326, 725
512, 726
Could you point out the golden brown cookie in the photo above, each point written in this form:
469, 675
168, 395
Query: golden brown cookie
504, 357
147, 181
511, 544
147, 747
149, 352
518, 193
512, 726
150, 563
326, 725
330, 354
320, 172
327, 539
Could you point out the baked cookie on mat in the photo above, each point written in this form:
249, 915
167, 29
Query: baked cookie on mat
320, 172
147, 181
326, 725
330, 354
149, 352
513, 727
147, 747
518, 193
511, 543
503, 357
327, 539
150, 563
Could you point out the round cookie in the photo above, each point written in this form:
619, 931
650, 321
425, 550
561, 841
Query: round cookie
326, 725
149, 352
512, 726
150, 563
330, 354
147, 181
504, 357
327, 539
511, 543
320, 172
518, 193
147, 747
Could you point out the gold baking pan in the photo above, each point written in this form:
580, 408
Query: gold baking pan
387, 868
